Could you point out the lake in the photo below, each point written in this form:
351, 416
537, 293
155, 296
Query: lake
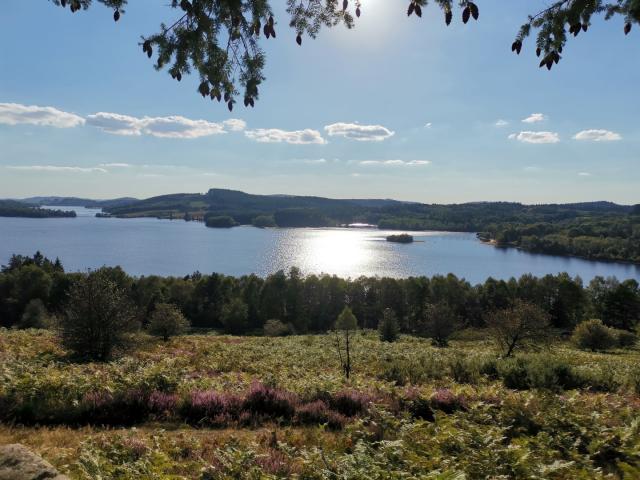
144, 246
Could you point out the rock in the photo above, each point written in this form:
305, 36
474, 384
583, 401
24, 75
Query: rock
19, 463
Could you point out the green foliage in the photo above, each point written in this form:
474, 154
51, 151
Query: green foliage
388, 328
97, 316
167, 321
235, 316
594, 335
263, 221
35, 315
439, 323
522, 326
224, 221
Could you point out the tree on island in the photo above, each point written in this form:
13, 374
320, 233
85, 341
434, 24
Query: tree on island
220, 39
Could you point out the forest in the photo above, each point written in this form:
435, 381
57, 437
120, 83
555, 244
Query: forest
10, 208
242, 305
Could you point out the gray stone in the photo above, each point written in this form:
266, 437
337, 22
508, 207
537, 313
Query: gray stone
19, 463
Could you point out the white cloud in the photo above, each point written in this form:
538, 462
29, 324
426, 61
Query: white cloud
535, 137
173, 126
395, 163
15, 113
235, 124
116, 165
535, 117
57, 168
584, 174
362, 133
180, 127
531, 168
428, 125
502, 123
598, 136
115, 123
275, 135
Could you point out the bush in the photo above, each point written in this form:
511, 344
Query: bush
539, 372
626, 339
167, 321
388, 327
97, 317
263, 400
275, 328
464, 369
594, 335
35, 315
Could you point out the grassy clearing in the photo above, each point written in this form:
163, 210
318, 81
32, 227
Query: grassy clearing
430, 412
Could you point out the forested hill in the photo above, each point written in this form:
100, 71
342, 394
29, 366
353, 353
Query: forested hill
596, 230
77, 202
10, 208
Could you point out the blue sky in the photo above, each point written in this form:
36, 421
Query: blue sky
399, 107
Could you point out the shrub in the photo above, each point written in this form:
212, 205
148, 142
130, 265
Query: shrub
464, 369
594, 335
388, 327
163, 404
313, 413
275, 328
167, 321
626, 339
445, 400
35, 315
97, 317
349, 403
539, 372
263, 400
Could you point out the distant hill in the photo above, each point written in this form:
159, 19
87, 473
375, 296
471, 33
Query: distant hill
77, 202
292, 210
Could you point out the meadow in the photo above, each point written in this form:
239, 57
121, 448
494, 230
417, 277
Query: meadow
210, 406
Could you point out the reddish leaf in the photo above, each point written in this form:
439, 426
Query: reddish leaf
418, 10
448, 16
475, 12
299, 39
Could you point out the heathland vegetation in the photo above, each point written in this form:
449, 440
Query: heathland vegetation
527, 378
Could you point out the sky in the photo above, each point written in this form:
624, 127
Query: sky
402, 108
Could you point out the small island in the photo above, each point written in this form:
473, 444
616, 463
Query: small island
402, 238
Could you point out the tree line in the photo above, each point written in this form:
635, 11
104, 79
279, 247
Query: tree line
10, 208
34, 289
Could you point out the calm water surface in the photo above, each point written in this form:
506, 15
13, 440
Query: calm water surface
144, 246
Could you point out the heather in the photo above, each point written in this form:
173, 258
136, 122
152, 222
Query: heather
217, 406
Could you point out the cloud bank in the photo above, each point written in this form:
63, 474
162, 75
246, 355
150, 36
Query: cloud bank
395, 163
16, 114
